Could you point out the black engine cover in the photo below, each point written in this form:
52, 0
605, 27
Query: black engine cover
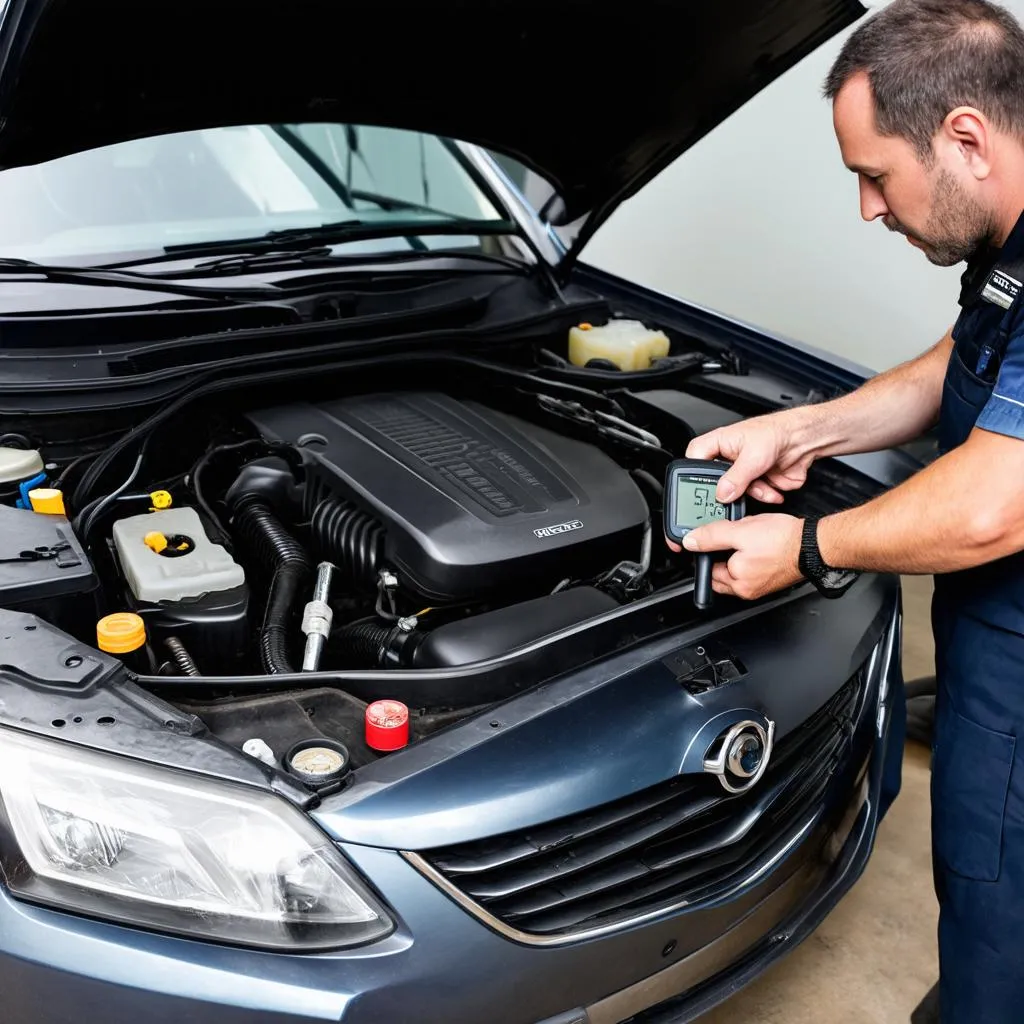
472, 501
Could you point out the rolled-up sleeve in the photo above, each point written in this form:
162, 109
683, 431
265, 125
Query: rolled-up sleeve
1004, 411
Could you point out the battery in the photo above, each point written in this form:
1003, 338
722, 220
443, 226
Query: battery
45, 571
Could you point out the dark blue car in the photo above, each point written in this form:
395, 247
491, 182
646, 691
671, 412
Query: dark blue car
345, 674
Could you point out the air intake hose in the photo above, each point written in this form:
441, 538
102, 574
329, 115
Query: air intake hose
368, 645
261, 531
351, 539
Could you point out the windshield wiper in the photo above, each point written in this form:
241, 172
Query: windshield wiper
337, 232
127, 279
324, 257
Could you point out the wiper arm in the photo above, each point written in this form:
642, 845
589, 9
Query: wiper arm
341, 231
324, 257
127, 279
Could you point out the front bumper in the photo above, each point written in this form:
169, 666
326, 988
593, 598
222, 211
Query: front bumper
445, 965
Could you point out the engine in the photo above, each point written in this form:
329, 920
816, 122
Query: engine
405, 529
436, 552
460, 503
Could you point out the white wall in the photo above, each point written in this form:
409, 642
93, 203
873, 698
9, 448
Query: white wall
760, 220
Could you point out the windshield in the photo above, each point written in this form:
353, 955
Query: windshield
232, 183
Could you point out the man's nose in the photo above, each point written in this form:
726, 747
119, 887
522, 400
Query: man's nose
872, 202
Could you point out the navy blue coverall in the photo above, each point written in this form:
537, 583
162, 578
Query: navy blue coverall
978, 619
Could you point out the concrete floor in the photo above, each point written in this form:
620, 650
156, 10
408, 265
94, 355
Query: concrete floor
874, 957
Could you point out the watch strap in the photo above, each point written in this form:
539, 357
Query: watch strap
811, 563
814, 568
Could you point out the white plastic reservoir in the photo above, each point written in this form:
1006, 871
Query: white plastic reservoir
169, 575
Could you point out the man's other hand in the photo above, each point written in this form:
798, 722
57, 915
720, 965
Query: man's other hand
767, 455
766, 551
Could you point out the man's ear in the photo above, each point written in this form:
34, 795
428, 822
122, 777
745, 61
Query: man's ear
970, 133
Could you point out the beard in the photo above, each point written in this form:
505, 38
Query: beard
957, 227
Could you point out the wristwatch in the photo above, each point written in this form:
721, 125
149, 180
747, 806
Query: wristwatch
829, 582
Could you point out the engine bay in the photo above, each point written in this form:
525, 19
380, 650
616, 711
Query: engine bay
324, 572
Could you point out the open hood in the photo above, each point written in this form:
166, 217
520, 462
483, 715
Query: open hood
595, 99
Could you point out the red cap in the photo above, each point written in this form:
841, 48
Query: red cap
387, 725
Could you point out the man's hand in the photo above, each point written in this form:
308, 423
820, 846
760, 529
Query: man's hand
766, 554
770, 454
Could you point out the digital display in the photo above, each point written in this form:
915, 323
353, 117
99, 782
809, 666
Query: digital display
695, 503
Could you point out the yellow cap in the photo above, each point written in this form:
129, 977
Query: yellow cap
586, 327
120, 633
155, 541
47, 500
161, 499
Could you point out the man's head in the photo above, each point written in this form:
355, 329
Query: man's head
928, 107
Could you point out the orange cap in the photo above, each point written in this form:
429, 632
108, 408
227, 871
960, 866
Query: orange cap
120, 633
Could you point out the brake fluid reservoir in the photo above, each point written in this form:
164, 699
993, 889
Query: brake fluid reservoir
166, 556
627, 343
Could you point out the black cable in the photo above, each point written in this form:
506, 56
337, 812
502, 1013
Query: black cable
84, 521
285, 451
71, 467
182, 659
103, 461
100, 504
197, 470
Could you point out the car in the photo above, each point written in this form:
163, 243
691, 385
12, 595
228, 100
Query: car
345, 673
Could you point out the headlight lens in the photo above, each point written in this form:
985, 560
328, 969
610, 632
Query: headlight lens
154, 847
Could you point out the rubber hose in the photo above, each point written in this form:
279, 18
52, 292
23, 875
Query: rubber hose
181, 657
351, 539
361, 645
262, 532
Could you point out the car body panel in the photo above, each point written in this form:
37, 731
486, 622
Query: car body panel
680, 963
606, 730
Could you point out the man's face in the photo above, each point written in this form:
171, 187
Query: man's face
932, 204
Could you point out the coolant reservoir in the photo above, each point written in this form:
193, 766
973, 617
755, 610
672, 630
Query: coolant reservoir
627, 343
17, 465
166, 556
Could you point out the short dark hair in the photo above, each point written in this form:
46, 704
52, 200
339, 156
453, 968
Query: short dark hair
925, 58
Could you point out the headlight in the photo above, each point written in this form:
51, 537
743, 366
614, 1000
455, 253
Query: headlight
149, 846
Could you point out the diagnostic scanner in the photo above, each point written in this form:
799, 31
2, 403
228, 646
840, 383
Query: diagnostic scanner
690, 486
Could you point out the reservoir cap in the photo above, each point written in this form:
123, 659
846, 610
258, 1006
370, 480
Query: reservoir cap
387, 725
120, 633
317, 762
47, 500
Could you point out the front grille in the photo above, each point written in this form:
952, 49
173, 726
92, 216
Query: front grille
683, 841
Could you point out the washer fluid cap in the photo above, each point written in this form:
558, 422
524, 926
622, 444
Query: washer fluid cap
17, 465
318, 762
120, 633
387, 725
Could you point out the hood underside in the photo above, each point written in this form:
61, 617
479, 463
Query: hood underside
597, 100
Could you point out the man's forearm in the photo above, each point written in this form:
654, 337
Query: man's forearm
890, 409
959, 512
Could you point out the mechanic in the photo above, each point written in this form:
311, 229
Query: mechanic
928, 108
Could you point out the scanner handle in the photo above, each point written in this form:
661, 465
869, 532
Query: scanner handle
702, 581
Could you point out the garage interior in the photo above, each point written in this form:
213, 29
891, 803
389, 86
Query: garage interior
874, 957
